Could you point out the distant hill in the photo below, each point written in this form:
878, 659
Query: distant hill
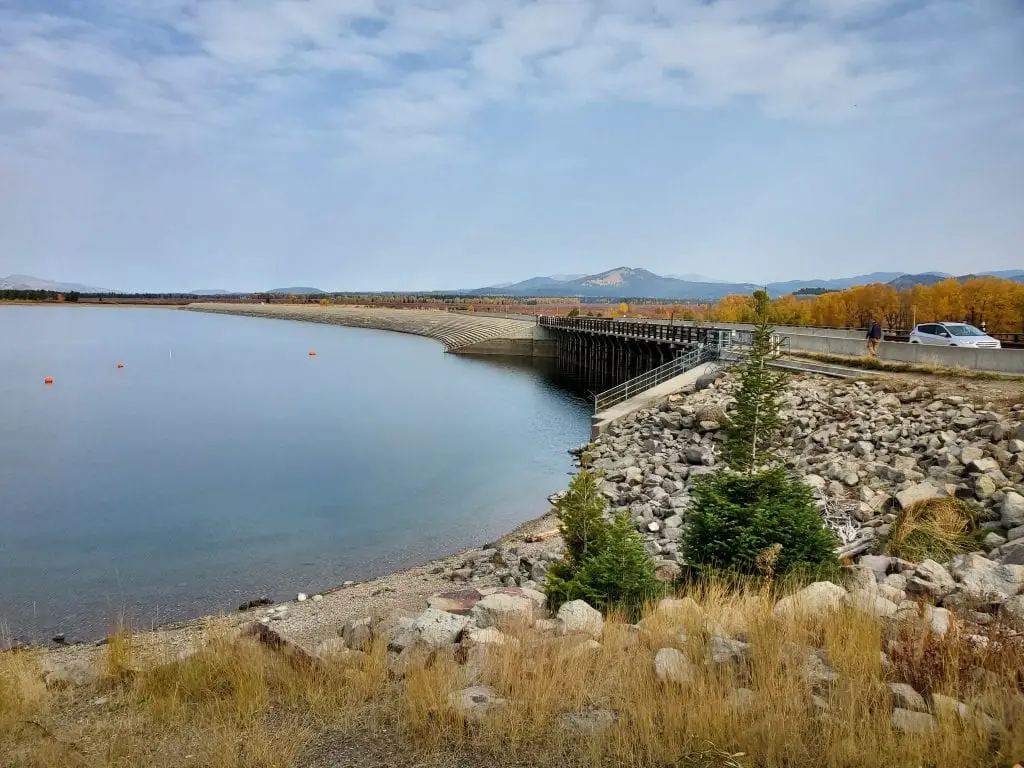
621, 282
213, 292
931, 278
835, 284
29, 283
1017, 275
299, 290
632, 282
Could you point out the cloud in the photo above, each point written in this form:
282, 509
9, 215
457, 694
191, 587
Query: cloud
408, 76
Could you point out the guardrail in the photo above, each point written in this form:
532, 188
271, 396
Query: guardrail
652, 378
639, 329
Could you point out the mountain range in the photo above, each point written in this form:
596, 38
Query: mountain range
632, 282
29, 283
618, 283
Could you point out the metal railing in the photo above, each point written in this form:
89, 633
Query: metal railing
638, 329
652, 378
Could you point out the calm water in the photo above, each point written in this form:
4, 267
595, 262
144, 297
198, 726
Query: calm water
223, 463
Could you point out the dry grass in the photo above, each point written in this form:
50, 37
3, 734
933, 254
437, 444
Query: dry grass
936, 529
869, 363
236, 703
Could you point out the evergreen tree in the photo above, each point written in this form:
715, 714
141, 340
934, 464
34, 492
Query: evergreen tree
754, 421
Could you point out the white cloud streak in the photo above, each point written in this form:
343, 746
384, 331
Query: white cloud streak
407, 76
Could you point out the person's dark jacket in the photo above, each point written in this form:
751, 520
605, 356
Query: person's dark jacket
875, 331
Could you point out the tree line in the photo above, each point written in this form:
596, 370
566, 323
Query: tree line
997, 302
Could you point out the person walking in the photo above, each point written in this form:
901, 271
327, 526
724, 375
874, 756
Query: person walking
874, 337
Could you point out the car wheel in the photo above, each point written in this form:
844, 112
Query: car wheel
914, 341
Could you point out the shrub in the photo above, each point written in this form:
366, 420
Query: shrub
604, 564
763, 523
936, 529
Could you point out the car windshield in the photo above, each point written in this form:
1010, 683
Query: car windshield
959, 329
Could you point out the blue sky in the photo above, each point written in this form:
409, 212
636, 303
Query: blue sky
430, 144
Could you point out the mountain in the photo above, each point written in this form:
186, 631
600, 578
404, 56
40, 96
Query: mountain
1017, 275
837, 284
692, 278
621, 282
298, 290
213, 292
29, 283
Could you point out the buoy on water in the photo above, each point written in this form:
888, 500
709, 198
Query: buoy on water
312, 354
120, 365
48, 380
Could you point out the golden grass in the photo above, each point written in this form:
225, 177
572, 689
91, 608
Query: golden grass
235, 703
936, 528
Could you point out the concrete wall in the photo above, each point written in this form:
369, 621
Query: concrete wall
1000, 360
541, 345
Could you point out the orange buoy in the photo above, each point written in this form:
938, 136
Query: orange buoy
120, 365
312, 354
48, 380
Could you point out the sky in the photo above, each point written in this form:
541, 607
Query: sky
438, 144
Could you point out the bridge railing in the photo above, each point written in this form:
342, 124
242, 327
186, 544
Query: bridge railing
681, 334
652, 378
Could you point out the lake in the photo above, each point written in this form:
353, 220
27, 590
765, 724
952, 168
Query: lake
224, 463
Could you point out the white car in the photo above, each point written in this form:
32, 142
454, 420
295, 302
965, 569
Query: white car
953, 335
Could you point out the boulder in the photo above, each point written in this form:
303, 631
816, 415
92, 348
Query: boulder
987, 581
905, 697
577, 616
501, 610
488, 636
726, 650
460, 601
919, 492
357, 633
1012, 612
818, 598
672, 666
475, 702
436, 629
907, 721
1012, 510
872, 603
69, 672
402, 634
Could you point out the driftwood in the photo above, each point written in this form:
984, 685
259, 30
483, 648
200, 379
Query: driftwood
534, 537
275, 641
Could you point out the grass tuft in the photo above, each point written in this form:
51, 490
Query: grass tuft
937, 529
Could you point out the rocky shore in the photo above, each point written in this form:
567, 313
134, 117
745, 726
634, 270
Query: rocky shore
867, 447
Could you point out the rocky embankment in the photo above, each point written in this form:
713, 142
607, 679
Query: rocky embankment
455, 330
868, 448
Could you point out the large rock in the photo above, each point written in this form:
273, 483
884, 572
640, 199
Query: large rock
402, 634
1012, 612
578, 617
906, 721
501, 610
872, 603
931, 578
70, 672
672, 666
436, 629
985, 580
818, 598
459, 601
1012, 510
475, 702
905, 697
358, 633
916, 493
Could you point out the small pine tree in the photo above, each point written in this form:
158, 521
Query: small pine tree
604, 564
754, 421
580, 514
621, 575
759, 524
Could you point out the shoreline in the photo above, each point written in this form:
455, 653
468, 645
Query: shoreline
309, 622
